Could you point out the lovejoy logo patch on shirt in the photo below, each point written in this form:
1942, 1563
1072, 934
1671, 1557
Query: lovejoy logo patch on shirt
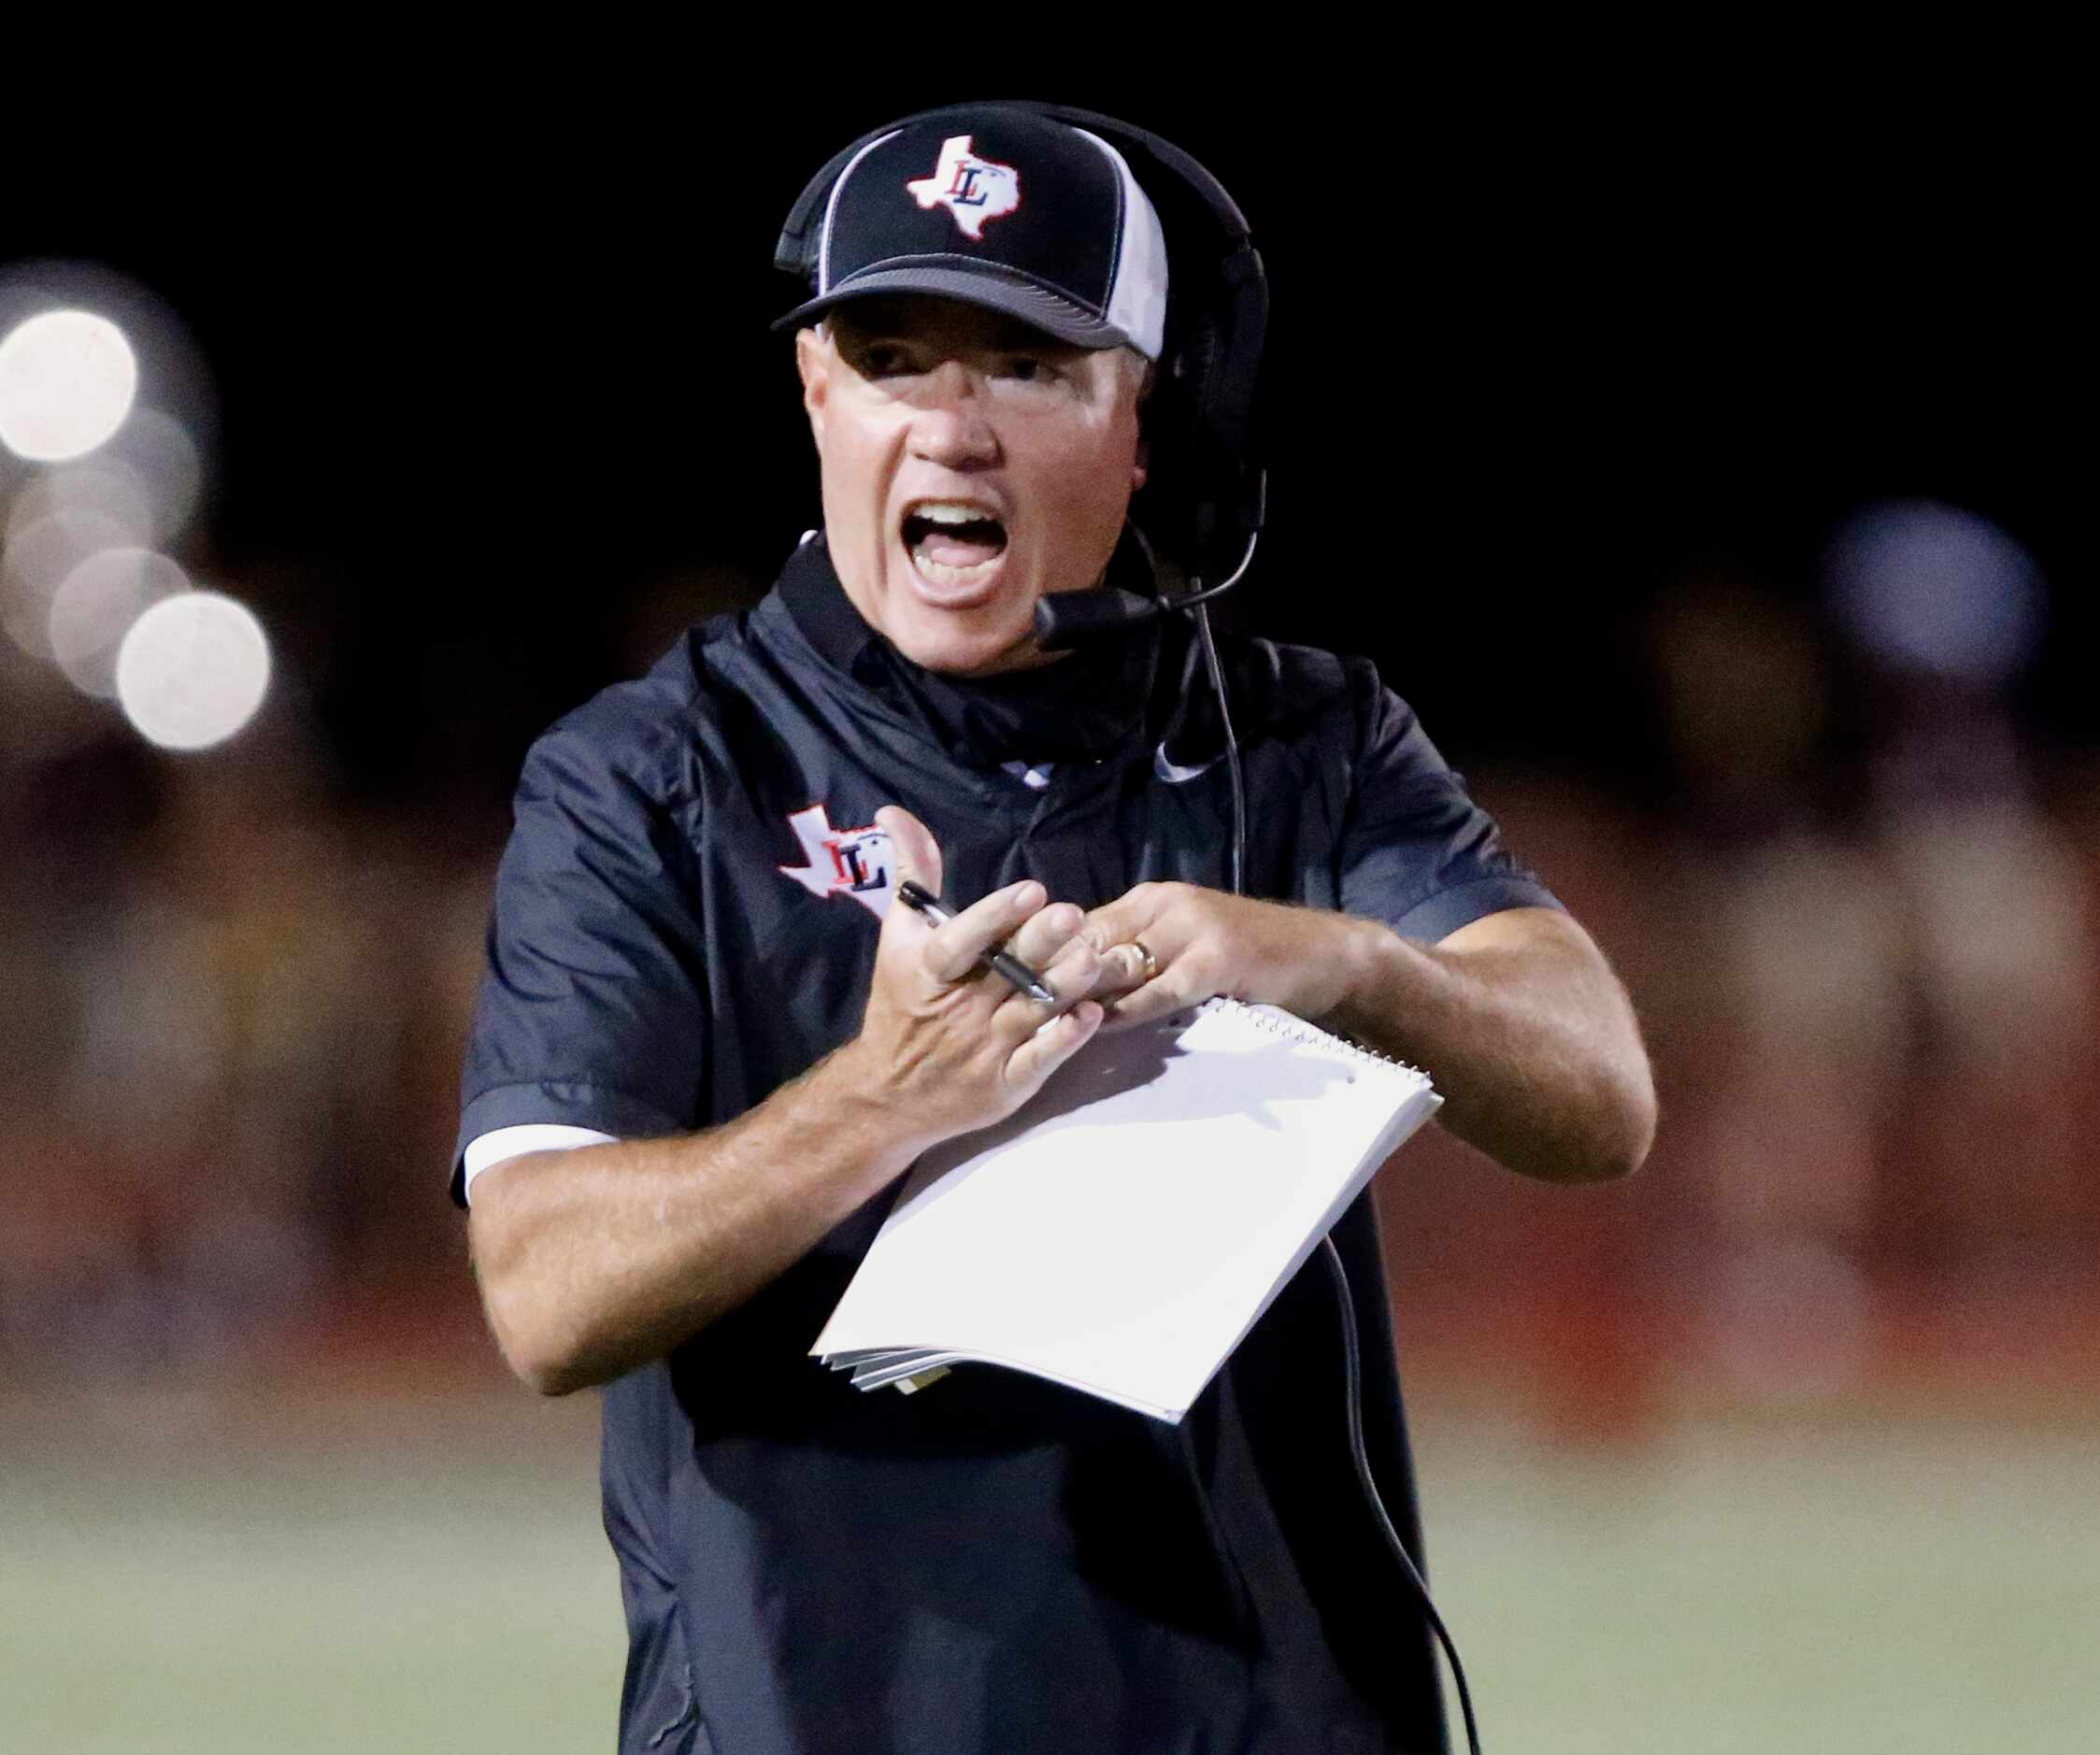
855, 863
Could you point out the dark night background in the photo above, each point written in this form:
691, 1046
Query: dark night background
492, 374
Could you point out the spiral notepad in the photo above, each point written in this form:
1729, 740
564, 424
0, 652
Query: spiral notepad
1123, 1229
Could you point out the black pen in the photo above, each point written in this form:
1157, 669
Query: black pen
1016, 971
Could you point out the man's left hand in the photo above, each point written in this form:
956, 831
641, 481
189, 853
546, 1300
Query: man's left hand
1205, 942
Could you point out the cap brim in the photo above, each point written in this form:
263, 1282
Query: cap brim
1037, 306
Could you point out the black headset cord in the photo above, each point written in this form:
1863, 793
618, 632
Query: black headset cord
1202, 614
1351, 1359
1198, 604
1353, 1365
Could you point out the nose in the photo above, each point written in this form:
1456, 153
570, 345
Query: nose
953, 425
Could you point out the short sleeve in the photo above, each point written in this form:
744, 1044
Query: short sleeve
592, 1001
1417, 852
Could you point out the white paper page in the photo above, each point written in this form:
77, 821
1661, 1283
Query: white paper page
1123, 1229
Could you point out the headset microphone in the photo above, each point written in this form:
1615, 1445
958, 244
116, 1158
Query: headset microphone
1067, 619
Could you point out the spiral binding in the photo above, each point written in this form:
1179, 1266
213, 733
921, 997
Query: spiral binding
1291, 1027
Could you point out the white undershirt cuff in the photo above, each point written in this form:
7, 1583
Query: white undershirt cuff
500, 1144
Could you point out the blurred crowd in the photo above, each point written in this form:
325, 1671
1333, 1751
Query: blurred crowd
1859, 921
230, 1017
1858, 916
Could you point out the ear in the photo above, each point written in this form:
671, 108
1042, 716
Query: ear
1141, 466
814, 360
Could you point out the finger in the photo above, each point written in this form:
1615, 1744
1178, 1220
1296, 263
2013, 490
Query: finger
1072, 973
1069, 977
1116, 970
1045, 933
1049, 1046
1120, 969
1134, 914
1155, 999
951, 951
1167, 935
912, 847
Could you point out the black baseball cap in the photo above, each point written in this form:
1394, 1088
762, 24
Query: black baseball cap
1003, 209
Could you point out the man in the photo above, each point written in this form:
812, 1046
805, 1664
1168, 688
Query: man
707, 1045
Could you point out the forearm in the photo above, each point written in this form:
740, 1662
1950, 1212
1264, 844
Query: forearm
1524, 1030
1516, 1017
594, 1261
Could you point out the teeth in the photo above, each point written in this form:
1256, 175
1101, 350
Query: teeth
940, 573
952, 512
928, 516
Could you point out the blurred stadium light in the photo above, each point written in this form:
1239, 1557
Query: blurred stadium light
193, 670
112, 483
39, 556
68, 379
114, 493
147, 479
157, 452
96, 606
1934, 588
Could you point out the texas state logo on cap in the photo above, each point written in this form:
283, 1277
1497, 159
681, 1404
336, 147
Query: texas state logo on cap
1005, 208
975, 190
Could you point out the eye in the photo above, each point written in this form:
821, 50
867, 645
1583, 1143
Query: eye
881, 359
1029, 368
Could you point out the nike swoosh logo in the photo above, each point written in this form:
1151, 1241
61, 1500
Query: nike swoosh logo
1172, 773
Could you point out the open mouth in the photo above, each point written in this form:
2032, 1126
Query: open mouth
952, 542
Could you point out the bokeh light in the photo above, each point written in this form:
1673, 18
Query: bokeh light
40, 554
161, 454
68, 379
148, 480
193, 670
95, 605
1932, 588
102, 485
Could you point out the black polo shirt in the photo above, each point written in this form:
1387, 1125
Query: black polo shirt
686, 919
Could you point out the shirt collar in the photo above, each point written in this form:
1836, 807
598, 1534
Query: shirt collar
1079, 708
818, 602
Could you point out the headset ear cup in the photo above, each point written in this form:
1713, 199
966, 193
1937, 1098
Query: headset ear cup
1168, 508
1241, 487
1199, 508
1205, 461
1202, 514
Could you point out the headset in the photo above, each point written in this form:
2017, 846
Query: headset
1201, 509
1199, 515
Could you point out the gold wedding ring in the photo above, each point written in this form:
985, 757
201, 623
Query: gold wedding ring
1144, 951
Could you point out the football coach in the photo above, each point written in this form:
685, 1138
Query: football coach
707, 1045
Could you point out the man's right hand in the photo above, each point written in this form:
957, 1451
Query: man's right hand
944, 1044
594, 1259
